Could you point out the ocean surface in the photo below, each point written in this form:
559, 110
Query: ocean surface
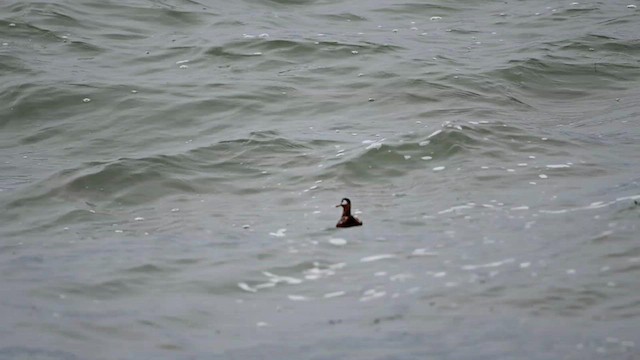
169, 171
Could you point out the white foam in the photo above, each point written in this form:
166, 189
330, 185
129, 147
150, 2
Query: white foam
542, 176
372, 294
457, 208
597, 204
632, 197
297, 298
278, 279
558, 166
334, 294
594, 205
423, 252
279, 233
426, 158
524, 207
182, 62
375, 145
488, 265
316, 273
246, 287
265, 285
438, 168
424, 143
337, 241
434, 134
377, 257
563, 211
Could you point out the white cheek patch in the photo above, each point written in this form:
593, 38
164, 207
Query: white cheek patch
343, 202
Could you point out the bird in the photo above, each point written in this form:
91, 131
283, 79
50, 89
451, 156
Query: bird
347, 220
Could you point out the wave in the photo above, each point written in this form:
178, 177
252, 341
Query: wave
288, 51
569, 67
455, 143
207, 169
418, 8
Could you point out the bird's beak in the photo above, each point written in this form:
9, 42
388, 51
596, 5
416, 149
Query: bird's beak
338, 205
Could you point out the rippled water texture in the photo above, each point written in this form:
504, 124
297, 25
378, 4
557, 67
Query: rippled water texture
170, 171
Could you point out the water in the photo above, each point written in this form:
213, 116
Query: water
169, 173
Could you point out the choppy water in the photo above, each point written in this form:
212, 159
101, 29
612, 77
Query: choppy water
169, 172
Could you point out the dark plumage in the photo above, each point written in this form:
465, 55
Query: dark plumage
347, 220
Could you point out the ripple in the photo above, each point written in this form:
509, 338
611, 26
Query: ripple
377, 257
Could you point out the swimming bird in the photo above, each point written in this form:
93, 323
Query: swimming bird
347, 220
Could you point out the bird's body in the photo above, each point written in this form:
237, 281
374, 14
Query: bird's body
347, 220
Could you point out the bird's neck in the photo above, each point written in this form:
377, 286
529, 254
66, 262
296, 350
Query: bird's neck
346, 210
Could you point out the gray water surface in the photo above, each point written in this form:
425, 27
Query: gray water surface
169, 171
